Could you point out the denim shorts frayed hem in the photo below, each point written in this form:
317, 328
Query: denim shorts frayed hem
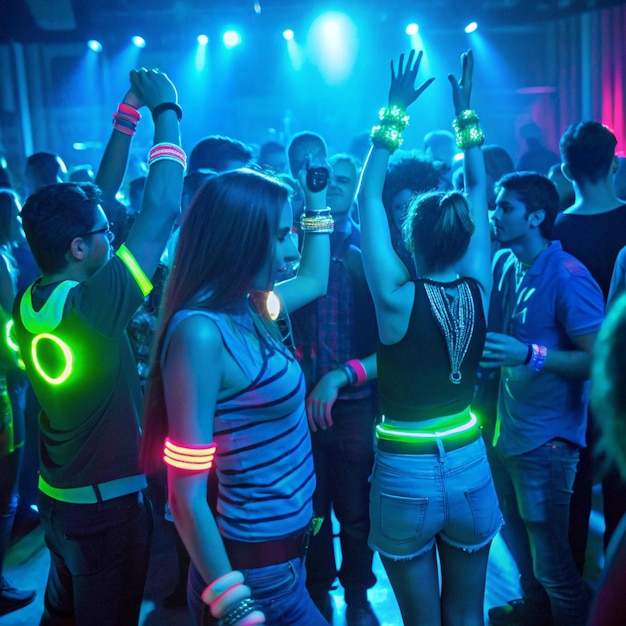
394, 557
431, 543
415, 499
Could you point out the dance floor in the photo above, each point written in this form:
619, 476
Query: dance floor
27, 565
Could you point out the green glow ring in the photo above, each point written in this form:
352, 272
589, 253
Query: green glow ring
67, 353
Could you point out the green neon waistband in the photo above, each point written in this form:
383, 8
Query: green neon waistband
135, 269
393, 433
87, 495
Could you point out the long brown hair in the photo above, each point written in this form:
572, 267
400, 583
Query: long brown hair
224, 241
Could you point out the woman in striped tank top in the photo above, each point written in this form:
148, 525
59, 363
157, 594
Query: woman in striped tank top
225, 402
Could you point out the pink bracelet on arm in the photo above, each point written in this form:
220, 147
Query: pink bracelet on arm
359, 370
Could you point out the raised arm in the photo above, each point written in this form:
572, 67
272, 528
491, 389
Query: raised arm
476, 262
164, 184
312, 279
115, 158
384, 270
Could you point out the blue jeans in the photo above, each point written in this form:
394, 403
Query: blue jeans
535, 490
279, 590
416, 497
98, 560
343, 456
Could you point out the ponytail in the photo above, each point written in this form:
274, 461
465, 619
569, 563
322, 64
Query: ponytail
438, 227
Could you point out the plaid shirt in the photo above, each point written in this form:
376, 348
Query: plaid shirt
340, 325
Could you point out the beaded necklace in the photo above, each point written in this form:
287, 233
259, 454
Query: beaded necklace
456, 320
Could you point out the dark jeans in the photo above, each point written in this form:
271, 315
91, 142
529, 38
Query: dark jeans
98, 560
344, 456
9, 471
534, 490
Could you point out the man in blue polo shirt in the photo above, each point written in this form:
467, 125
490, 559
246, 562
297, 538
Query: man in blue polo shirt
551, 309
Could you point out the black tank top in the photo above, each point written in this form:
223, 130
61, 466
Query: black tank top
413, 374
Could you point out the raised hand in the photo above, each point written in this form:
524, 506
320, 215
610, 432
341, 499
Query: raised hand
462, 89
152, 87
402, 91
132, 99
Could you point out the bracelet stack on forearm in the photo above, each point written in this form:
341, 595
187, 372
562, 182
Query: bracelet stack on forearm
467, 132
126, 118
167, 152
229, 601
320, 222
354, 370
388, 134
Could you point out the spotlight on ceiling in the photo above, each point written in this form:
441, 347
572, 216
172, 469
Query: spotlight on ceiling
139, 41
203, 40
94, 45
412, 29
231, 38
288, 34
471, 27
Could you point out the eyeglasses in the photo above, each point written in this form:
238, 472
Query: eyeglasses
106, 230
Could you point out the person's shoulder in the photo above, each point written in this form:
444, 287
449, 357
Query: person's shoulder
572, 277
568, 263
197, 328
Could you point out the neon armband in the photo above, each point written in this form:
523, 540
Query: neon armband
192, 458
143, 282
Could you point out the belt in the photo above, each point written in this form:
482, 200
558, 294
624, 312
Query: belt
92, 494
251, 555
429, 446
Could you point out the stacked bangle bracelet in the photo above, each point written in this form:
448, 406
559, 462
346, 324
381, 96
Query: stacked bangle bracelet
388, 134
317, 222
126, 118
229, 601
467, 132
354, 370
167, 152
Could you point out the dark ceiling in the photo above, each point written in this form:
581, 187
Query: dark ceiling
73, 20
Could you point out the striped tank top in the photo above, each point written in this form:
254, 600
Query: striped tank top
263, 461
